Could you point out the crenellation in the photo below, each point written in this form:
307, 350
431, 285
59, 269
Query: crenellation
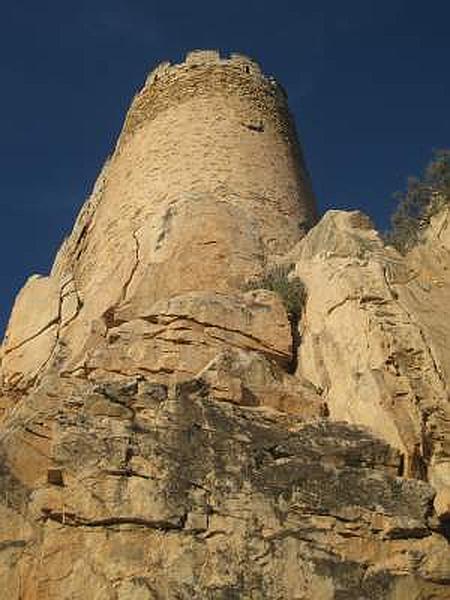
239, 78
246, 63
202, 57
159, 70
208, 58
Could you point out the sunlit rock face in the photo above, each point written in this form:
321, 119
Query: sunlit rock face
375, 334
213, 395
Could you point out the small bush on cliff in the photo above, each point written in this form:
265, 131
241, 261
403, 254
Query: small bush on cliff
422, 199
290, 289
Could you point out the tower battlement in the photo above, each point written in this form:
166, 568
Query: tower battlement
206, 58
205, 73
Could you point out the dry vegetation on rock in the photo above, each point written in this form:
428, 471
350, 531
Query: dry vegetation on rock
280, 279
423, 198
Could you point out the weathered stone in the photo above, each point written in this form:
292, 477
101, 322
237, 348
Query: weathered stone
371, 341
194, 497
174, 212
180, 336
32, 331
250, 379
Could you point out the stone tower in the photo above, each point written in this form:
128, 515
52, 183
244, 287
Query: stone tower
206, 188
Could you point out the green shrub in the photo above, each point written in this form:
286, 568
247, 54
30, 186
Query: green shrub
290, 289
421, 200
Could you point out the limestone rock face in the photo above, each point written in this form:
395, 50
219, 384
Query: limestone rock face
137, 491
32, 333
374, 336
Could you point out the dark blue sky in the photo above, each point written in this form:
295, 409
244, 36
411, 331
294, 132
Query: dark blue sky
368, 83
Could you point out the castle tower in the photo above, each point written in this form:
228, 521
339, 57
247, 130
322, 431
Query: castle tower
219, 126
207, 186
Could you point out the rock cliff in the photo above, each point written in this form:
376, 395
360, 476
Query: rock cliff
213, 395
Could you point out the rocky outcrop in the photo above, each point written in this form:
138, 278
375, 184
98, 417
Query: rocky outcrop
374, 336
202, 402
195, 452
32, 332
136, 491
180, 336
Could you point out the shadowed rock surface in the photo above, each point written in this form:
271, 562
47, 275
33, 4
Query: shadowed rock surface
134, 491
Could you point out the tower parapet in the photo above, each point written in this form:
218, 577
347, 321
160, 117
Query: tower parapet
200, 58
226, 124
207, 73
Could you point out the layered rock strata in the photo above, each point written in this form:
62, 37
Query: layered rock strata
131, 491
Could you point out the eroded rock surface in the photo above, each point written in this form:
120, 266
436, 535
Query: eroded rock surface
135, 491
374, 336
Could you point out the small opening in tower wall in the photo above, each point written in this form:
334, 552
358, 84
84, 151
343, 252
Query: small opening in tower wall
258, 127
247, 69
